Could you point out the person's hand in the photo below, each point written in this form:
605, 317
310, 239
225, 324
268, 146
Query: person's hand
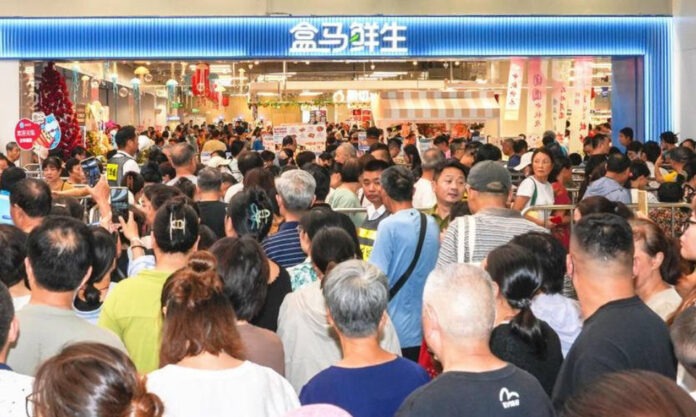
659, 161
130, 227
100, 191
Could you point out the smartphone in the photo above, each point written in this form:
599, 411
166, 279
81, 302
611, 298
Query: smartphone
5, 217
119, 203
90, 167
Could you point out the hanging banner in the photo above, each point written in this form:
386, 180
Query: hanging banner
560, 72
514, 89
536, 96
580, 100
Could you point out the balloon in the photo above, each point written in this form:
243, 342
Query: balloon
123, 92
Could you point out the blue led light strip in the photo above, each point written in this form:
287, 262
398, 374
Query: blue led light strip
354, 37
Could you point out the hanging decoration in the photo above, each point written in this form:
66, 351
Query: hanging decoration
514, 89
135, 84
94, 90
200, 83
84, 87
75, 68
54, 98
171, 91
536, 97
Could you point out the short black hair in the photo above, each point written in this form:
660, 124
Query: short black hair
450, 163
151, 172
652, 151
441, 139
7, 313
60, 252
319, 218
304, 157
10, 177
634, 146
398, 181
379, 146
236, 147
104, 256
67, 206
488, 152
618, 163
639, 169
520, 146
70, 164
175, 227
331, 246
288, 140
668, 137
670, 192
575, 159
551, 255
627, 131
123, 135
605, 237
321, 177
267, 156
78, 150
372, 132
33, 196
13, 251
248, 161
374, 165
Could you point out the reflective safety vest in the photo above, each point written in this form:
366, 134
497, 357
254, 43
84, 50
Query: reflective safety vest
114, 169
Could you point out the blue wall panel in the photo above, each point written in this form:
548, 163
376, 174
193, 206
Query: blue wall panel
424, 37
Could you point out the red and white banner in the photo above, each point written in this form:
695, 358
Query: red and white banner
536, 96
514, 89
580, 99
560, 73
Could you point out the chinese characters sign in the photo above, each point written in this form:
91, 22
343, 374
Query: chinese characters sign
580, 98
26, 133
514, 90
560, 73
536, 96
358, 37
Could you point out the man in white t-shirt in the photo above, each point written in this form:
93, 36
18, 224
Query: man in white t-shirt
424, 195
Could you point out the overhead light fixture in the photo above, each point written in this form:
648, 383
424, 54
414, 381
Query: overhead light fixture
306, 93
415, 63
457, 63
266, 94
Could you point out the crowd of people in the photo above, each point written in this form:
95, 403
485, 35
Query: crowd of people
392, 281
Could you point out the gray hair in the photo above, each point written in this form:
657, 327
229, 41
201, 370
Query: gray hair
432, 158
463, 300
356, 294
182, 154
11, 146
209, 179
349, 149
296, 188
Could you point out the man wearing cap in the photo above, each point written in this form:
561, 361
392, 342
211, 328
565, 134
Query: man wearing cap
469, 238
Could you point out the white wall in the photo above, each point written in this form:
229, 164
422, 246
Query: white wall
9, 115
334, 7
684, 64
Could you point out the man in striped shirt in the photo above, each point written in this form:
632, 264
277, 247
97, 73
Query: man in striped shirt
295, 196
469, 238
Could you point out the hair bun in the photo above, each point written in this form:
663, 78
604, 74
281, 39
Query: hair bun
147, 404
202, 262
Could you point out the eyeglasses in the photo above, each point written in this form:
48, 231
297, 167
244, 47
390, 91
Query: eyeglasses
30, 404
685, 226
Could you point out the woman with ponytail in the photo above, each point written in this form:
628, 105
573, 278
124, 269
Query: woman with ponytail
91, 380
202, 355
519, 337
91, 295
132, 308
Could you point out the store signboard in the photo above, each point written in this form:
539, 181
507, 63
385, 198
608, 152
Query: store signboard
309, 137
371, 37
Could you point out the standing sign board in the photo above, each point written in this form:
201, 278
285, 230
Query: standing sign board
26, 133
309, 137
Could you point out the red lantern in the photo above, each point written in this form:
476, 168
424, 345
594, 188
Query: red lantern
200, 83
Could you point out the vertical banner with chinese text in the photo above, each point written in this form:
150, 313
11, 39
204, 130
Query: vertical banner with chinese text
536, 96
560, 72
580, 100
514, 89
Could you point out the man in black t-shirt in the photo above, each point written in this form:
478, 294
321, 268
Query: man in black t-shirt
458, 317
620, 332
212, 210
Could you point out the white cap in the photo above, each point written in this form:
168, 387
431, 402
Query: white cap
525, 161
